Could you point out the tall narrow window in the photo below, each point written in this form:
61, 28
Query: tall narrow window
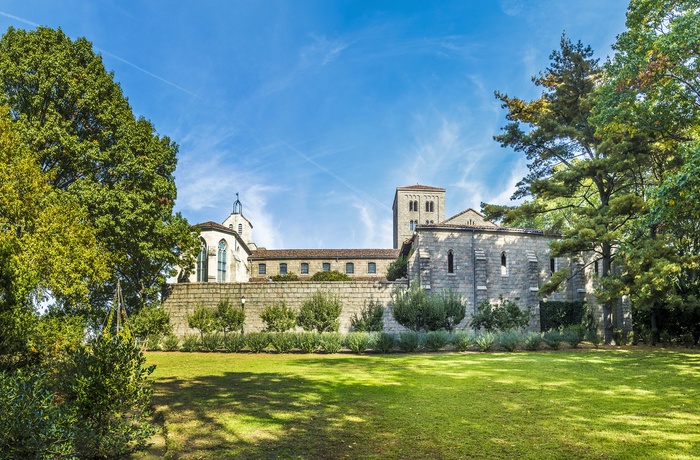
283, 269
552, 265
432, 206
410, 205
371, 268
595, 267
427, 206
450, 262
326, 266
415, 205
221, 263
349, 268
202, 263
240, 229
262, 269
504, 264
304, 268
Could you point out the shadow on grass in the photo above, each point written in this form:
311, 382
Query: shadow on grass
608, 404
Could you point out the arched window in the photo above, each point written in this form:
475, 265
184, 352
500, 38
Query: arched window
349, 268
410, 205
240, 229
202, 263
221, 263
415, 205
504, 264
450, 262
427, 206
432, 206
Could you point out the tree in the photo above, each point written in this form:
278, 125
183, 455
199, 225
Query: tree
397, 269
69, 111
320, 312
575, 166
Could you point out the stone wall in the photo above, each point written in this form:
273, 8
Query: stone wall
181, 299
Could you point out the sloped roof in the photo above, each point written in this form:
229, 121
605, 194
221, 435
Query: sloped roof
471, 213
421, 187
266, 254
442, 225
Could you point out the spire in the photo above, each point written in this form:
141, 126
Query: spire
237, 206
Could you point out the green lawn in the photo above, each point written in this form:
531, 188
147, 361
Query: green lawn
635, 404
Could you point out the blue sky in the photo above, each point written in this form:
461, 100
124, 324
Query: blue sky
315, 111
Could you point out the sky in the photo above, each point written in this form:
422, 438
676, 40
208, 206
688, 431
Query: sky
315, 111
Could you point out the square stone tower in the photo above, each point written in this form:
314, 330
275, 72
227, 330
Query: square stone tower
416, 205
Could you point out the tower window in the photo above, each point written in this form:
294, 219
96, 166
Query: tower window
221, 263
371, 268
450, 262
202, 263
240, 229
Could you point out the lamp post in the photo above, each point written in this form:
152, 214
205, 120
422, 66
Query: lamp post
243, 308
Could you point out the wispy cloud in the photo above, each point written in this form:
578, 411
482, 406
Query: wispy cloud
18, 19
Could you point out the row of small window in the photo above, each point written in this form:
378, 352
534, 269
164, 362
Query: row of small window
412, 225
326, 267
429, 206
504, 263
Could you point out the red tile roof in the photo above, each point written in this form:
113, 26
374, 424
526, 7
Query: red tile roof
420, 187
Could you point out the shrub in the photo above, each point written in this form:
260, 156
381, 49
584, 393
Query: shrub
331, 342
451, 307
190, 342
371, 318
485, 340
436, 340
385, 342
408, 341
308, 341
593, 337
229, 318
150, 323
503, 316
320, 312
283, 342
357, 342
278, 317
687, 340
510, 340
533, 340
212, 341
552, 339
152, 342
573, 336
664, 337
171, 342
234, 342
203, 319
558, 314
257, 341
463, 340
397, 269
414, 309
332, 275
286, 277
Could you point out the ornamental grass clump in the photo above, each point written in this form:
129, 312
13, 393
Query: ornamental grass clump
553, 339
234, 342
593, 337
510, 340
190, 342
212, 341
408, 341
436, 340
485, 340
385, 342
171, 342
573, 336
283, 342
308, 342
358, 342
331, 342
257, 341
532, 342
463, 340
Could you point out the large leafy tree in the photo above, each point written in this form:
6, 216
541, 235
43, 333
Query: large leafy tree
575, 168
69, 111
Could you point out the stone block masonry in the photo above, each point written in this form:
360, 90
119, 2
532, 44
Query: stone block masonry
181, 299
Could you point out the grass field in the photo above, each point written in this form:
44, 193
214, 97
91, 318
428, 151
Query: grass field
579, 404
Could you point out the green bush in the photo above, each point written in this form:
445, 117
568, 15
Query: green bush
150, 323
503, 316
397, 269
332, 275
463, 340
357, 342
414, 309
553, 339
257, 341
385, 342
308, 341
283, 342
190, 342
593, 337
229, 318
533, 340
371, 318
278, 317
234, 342
171, 342
687, 340
203, 319
331, 342
212, 341
485, 340
286, 277
573, 336
510, 340
436, 340
408, 341
152, 342
320, 312
559, 314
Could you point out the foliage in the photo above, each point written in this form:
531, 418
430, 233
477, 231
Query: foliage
320, 312
408, 341
371, 318
553, 339
203, 319
532, 341
573, 336
212, 341
286, 277
234, 342
436, 340
414, 309
278, 317
332, 275
504, 316
485, 340
384, 342
463, 340
331, 342
308, 341
593, 337
171, 342
358, 342
558, 314
510, 340
283, 342
229, 318
151, 322
397, 269
190, 342
257, 341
